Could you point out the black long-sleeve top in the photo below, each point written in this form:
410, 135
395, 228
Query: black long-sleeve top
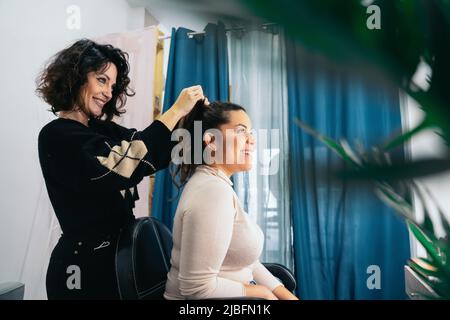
91, 172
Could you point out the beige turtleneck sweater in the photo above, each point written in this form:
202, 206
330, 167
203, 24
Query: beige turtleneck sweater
216, 247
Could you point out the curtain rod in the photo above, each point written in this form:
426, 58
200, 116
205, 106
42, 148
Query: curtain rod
264, 26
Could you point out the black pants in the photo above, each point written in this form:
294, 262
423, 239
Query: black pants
83, 269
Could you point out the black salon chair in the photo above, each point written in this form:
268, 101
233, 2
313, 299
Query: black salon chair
143, 261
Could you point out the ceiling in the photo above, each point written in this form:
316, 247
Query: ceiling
195, 14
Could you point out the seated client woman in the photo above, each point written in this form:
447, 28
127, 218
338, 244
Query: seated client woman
216, 247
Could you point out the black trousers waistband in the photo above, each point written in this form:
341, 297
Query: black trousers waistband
91, 237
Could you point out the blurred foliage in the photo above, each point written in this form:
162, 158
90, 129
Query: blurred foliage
411, 31
434, 270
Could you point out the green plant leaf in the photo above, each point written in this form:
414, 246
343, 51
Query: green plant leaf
432, 276
427, 243
333, 145
385, 192
397, 171
443, 218
401, 139
427, 224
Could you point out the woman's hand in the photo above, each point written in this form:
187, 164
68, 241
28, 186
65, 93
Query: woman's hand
258, 291
185, 102
187, 99
283, 294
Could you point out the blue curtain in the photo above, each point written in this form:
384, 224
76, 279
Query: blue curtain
340, 230
201, 60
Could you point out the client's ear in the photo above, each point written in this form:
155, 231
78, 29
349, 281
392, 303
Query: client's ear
208, 139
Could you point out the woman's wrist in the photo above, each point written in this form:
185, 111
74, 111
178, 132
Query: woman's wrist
171, 117
283, 294
178, 111
258, 291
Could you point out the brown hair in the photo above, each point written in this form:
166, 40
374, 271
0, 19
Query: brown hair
211, 116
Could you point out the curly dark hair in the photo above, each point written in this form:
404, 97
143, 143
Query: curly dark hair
60, 83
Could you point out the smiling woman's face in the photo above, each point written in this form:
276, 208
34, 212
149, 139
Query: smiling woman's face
238, 144
98, 89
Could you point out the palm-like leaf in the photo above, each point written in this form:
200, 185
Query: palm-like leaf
437, 271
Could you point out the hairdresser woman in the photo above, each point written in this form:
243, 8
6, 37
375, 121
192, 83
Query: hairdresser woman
91, 165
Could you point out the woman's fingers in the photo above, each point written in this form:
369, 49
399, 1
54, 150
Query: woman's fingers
196, 97
195, 89
188, 98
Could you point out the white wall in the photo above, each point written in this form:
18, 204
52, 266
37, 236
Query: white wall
31, 32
